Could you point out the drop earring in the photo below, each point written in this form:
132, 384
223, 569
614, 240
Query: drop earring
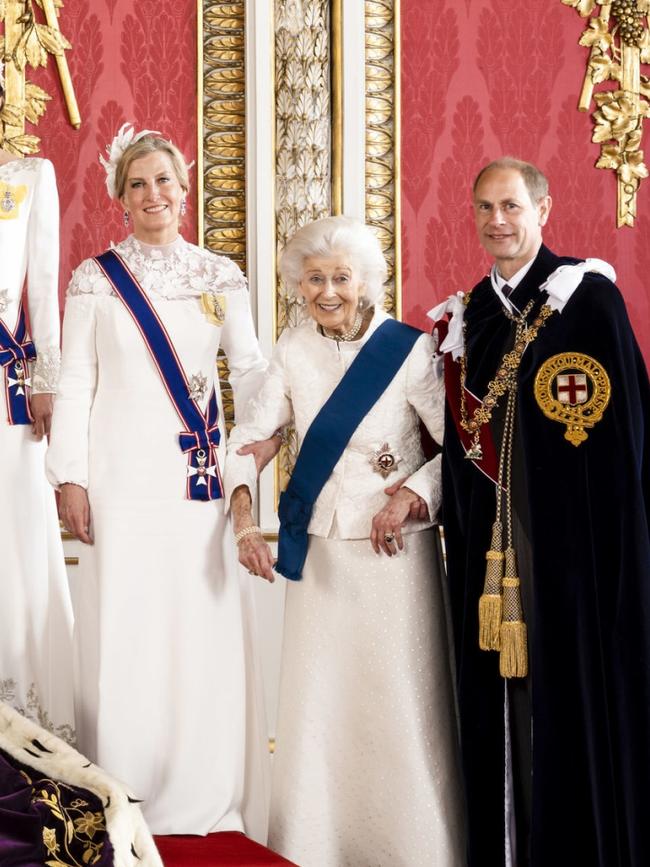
126, 217
183, 207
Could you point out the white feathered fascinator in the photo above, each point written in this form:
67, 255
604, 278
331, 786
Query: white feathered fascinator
126, 136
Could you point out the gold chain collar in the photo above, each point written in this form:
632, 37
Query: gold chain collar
505, 377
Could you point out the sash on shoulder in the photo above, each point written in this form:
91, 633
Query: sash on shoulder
367, 378
201, 436
15, 353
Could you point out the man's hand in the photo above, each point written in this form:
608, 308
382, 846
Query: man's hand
41, 408
263, 451
74, 510
419, 509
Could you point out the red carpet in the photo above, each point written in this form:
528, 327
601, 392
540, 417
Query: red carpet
227, 849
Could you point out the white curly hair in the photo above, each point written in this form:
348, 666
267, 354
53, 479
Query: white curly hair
331, 235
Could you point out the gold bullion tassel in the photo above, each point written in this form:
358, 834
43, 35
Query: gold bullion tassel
513, 660
490, 605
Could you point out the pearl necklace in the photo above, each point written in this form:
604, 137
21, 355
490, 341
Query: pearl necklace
348, 335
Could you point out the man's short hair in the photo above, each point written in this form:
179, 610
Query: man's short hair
535, 180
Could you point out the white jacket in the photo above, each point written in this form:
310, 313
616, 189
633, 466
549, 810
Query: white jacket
305, 369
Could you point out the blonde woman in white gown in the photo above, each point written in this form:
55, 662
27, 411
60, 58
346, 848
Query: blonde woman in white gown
167, 691
365, 769
35, 609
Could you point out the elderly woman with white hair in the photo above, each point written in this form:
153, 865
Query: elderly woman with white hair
365, 767
165, 687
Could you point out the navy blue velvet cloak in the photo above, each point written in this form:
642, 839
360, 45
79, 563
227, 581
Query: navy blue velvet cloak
587, 590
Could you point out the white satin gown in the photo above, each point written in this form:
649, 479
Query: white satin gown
167, 690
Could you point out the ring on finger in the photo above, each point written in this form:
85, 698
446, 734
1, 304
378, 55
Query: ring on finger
250, 572
389, 538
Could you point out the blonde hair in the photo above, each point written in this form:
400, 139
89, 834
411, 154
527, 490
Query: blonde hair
336, 235
144, 146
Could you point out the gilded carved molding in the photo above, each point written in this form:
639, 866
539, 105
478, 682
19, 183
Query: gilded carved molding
618, 37
224, 129
222, 112
28, 41
382, 137
303, 158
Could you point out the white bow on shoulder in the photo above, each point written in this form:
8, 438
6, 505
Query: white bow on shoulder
564, 281
455, 307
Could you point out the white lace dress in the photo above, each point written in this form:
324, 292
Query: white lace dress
166, 688
35, 610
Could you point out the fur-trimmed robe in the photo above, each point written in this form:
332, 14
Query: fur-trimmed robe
34, 747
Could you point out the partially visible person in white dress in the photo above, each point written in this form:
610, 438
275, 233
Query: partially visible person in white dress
365, 769
35, 608
167, 692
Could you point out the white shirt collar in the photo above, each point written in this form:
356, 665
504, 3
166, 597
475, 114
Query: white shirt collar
498, 282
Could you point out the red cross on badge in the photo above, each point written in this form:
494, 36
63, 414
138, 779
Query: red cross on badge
572, 388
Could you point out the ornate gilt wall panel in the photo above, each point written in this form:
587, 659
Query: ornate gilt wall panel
303, 152
618, 37
224, 132
303, 160
382, 137
28, 40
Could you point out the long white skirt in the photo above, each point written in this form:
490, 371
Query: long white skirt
35, 608
366, 769
168, 695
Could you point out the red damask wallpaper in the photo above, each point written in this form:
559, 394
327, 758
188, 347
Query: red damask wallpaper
483, 78
131, 61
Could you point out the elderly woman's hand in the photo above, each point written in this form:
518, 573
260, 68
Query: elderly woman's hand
253, 551
74, 510
386, 533
256, 556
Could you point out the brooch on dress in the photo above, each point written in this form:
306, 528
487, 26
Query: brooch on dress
213, 306
198, 386
10, 199
384, 461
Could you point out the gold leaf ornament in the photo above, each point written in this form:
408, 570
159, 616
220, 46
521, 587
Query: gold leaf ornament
597, 34
49, 841
584, 7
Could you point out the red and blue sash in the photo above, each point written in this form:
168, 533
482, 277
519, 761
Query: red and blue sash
15, 353
201, 436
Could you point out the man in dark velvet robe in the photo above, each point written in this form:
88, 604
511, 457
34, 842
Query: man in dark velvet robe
557, 763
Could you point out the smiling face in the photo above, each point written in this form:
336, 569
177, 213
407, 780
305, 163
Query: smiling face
153, 195
331, 287
509, 224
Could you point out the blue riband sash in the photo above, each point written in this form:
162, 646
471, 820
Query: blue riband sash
201, 436
15, 352
329, 433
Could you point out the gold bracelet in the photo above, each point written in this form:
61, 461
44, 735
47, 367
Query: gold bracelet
247, 531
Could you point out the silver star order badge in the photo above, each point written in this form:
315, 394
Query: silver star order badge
198, 386
4, 300
384, 460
